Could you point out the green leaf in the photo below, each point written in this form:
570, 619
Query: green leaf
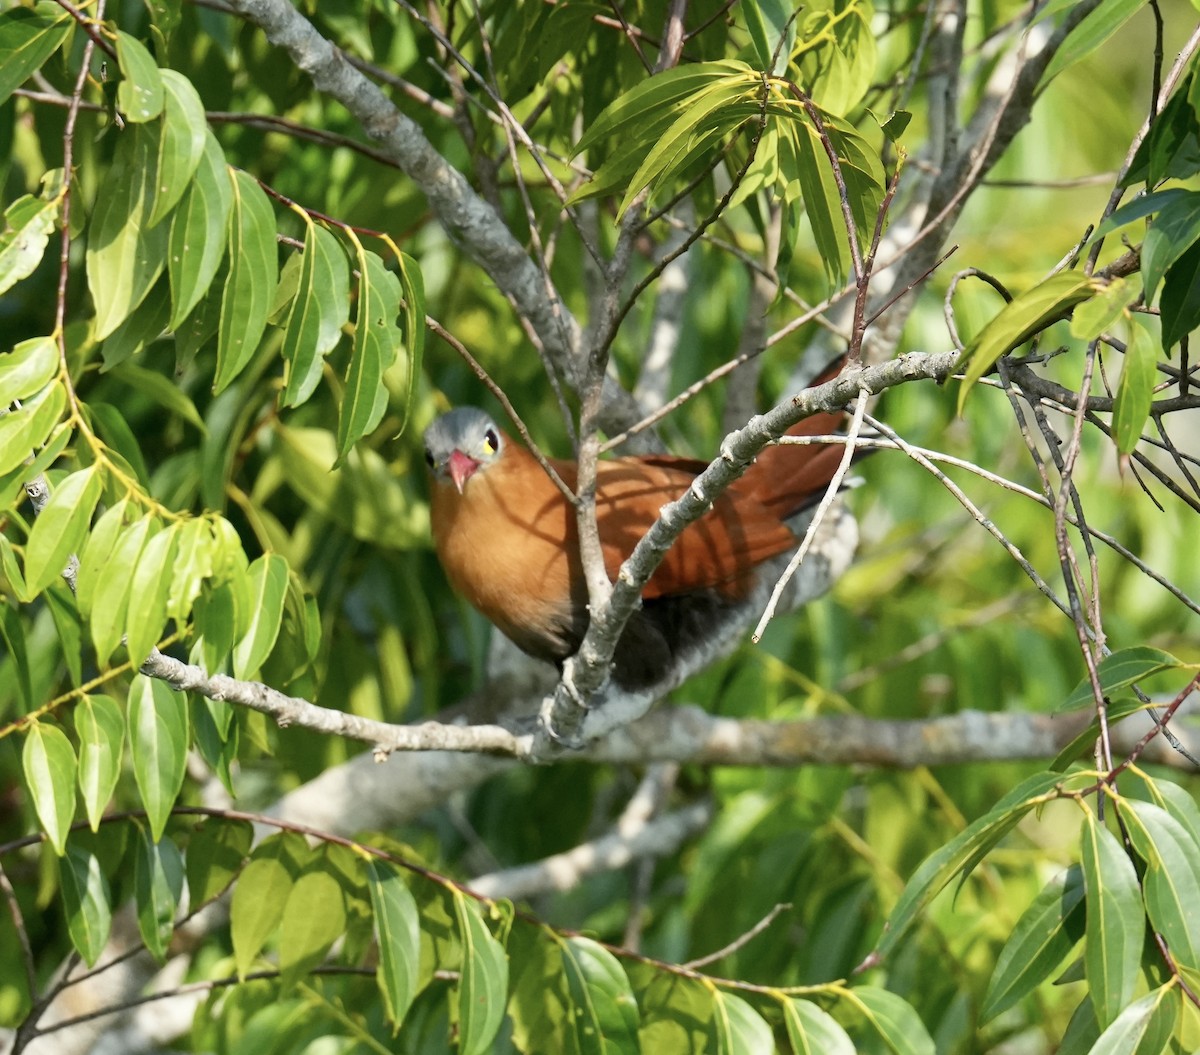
253, 275
320, 310
215, 854
258, 901
125, 255
110, 595
100, 726
28, 368
27, 39
893, 1020
165, 392
1120, 670
140, 93
12, 631
1174, 231
483, 980
192, 565
963, 852
772, 26
377, 338
606, 1011
1085, 741
1179, 302
29, 222
1140, 207
812, 1031
61, 527
48, 760
180, 144
816, 183
314, 917
268, 579
1171, 885
87, 901
1115, 921
413, 287
199, 230
1135, 388
739, 1029
1044, 936
151, 585
643, 112
1145, 1026
398, 933
145, 324
1086, 37
23, 431
1096, 316
895, 124
158, 743
158, 887
1019, 320
686, 138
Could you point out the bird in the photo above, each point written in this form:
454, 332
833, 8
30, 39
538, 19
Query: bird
507, 538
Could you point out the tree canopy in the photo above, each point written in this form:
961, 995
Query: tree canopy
269, 785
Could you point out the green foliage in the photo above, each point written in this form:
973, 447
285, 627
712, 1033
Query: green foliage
215, 287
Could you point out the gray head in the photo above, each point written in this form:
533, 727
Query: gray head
461, 442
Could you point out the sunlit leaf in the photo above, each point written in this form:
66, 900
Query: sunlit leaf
181, 142
151, 584
87, 900
125, 255
48, 760
1135, 388
483, 981
23, 431
320, 310
60, 528
1145, 1026
110, 602
812, 1031
158, 887
267, 578
1171, 884
1044, 936
1019, 320
158, 743
893, 1020
253, 274
739, 1029
27, 39
397, 930
1115, 921
28, 224
964, 849
140, 93
607, 1011
1097, 27
199, 231
100, 726
377, 339
259, 898
314, 917
1120, 670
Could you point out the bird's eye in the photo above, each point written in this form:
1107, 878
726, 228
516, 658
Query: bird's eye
430, 460
491, 442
